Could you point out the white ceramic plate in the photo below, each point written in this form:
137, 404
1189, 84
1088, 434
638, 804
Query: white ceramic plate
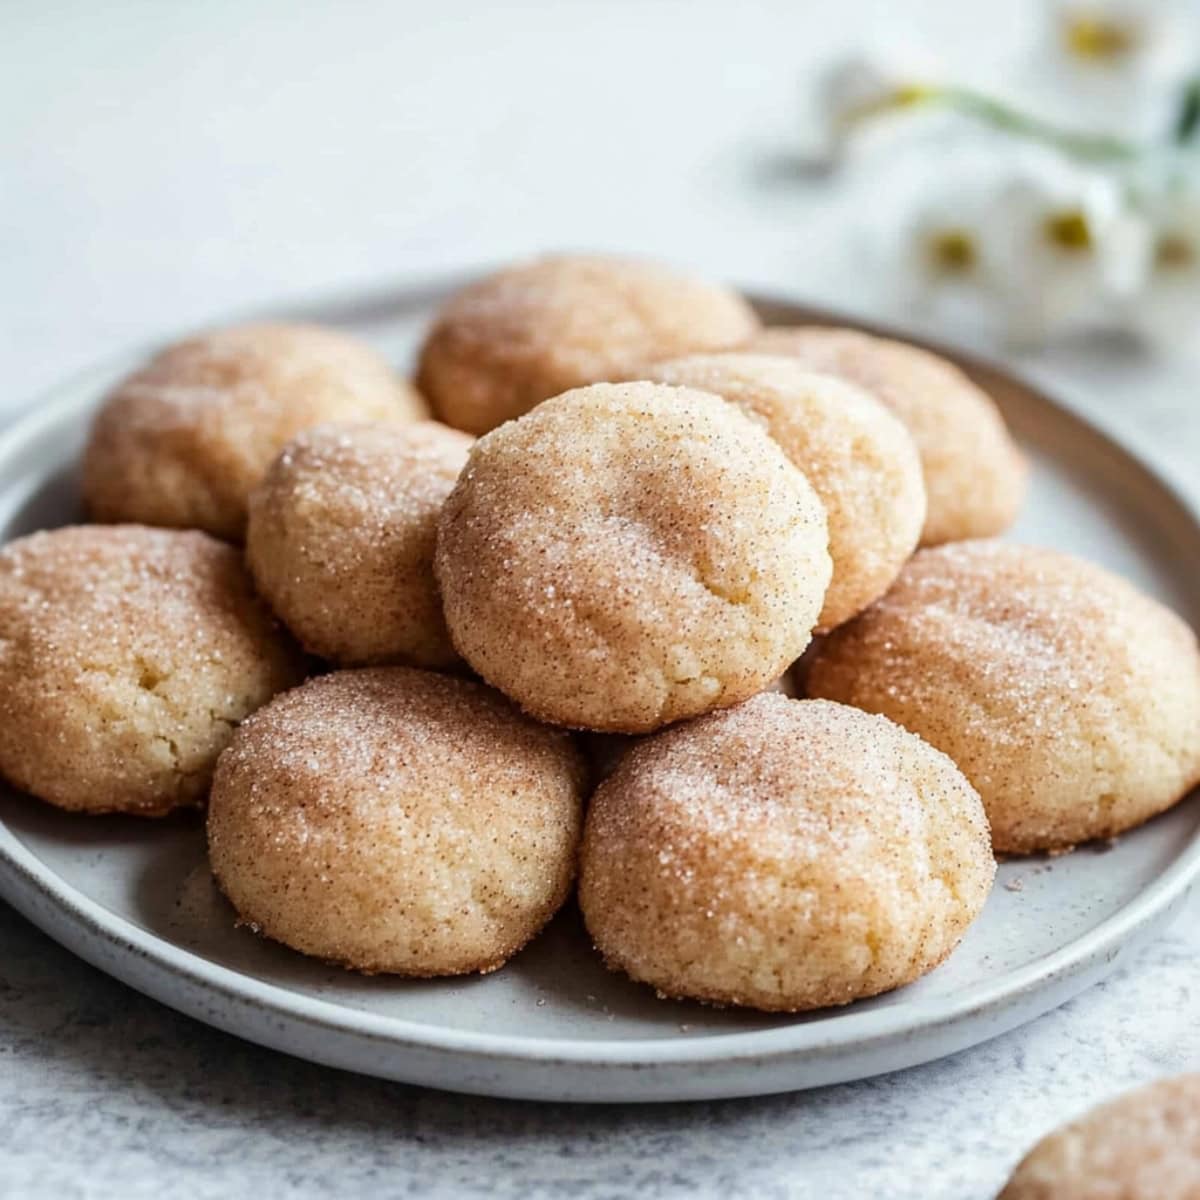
135, 898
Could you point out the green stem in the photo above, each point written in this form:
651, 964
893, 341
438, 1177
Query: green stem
1092, 147
1187, 122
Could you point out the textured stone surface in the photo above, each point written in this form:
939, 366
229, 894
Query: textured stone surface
104, 1092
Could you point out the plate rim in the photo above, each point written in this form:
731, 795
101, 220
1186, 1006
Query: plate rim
23, 875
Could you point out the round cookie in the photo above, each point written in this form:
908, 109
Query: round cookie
1144, 1145
537, 329
783, 855
975, 477
627, 555
341, 535
182, 441
127, 657
859, 458
1068, 698
604, 751
396, 820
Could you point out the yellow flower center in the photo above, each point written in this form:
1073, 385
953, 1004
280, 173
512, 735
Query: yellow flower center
952, 251
911, 93
1069, 230
904, 95
1095, 38
1173, 251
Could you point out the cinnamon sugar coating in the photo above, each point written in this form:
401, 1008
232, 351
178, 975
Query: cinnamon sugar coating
398, 821
783, 855
627, 555
1144, 1145
604, 751
1070, 699
341, 535
975, 478
127, 657
858, 457
182, 441
534, 330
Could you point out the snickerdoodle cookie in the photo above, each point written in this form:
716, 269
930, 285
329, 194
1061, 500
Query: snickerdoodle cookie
627, 555
533, 330
396, 820
859, 458
1070, 699
783, 855
127, 657
1145, 1145
341, 535
182, 441
974, 475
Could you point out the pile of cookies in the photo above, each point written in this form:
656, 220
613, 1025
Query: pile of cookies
427, 673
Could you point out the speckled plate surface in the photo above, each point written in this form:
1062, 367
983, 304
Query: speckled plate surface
135, 898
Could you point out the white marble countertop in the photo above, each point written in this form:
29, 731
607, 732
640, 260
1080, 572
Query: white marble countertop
165, 164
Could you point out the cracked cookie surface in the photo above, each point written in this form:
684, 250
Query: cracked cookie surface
395, 820
628, 555
341, 535
975, 477
183, 440
857, 455
127, 657
1070, 699
538, 328
782, 855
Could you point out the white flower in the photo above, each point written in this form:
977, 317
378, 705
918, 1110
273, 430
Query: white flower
861, 88
1019, 240
1114, 65
1153, 39
1062, 237
944, 246
1165, 309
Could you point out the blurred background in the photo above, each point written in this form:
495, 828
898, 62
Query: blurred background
165, 165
